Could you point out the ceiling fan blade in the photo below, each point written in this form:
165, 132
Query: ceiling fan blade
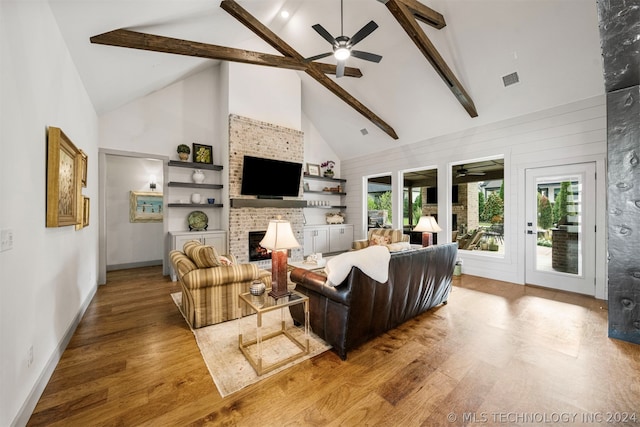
322, 55
367, 56
325, 34
340, 69
364, 32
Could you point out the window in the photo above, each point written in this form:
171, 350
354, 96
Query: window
420, 198
478, 205
379, 202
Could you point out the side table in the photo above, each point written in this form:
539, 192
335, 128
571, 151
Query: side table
263, 304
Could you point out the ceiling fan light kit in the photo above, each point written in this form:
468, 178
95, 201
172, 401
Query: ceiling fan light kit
342, 45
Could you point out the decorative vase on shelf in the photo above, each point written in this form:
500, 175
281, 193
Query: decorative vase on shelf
198, 176
328, 173
183, 156
195, 198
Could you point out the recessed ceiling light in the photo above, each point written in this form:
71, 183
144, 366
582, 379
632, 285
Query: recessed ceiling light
284, 14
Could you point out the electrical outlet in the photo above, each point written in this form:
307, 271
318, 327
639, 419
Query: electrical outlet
30, 357
6, 239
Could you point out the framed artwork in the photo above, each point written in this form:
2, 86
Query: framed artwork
145, 207
202, 154
85, 211
83, 168
63, 180
313, 169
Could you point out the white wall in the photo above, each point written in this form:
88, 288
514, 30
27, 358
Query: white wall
131, 242
566, 134
267, 94
49, 276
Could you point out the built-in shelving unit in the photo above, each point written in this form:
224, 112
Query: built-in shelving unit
178, 184
192, 165
325, 179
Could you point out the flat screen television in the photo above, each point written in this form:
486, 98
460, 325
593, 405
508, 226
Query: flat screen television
269, 178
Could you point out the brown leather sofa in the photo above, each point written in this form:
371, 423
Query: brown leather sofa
360, 308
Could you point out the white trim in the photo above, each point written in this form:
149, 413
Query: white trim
27, 408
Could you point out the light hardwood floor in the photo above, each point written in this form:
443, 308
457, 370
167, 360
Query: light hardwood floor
502, 353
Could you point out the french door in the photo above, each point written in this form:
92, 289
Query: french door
560, 227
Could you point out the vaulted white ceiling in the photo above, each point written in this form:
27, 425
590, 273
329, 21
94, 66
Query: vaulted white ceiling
553, 45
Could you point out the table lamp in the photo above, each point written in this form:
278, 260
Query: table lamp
278, 239
428, 225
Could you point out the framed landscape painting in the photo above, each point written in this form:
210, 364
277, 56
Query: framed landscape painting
145, 207
63, 180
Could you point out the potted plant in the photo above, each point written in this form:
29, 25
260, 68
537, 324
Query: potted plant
328, 165
183, 152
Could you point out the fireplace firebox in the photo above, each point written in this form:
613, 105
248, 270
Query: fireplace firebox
257, 252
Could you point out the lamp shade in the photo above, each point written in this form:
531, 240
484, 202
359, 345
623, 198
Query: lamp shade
427, 223
279, 235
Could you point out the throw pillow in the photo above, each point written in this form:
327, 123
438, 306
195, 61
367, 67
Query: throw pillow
190, 244
399, 246
377, 239
204, 256
224, 260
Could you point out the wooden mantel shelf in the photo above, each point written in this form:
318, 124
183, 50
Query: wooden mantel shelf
268, 203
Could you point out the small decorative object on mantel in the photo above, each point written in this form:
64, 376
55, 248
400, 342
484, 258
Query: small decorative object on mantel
335, 218
202, 154
198, 176
183, 152
328, 165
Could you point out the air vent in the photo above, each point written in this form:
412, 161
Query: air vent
364, 131
510, 79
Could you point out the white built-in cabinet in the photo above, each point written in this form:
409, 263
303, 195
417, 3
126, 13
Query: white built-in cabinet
217, 239
327, 238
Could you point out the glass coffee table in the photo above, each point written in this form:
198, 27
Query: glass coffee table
252, 347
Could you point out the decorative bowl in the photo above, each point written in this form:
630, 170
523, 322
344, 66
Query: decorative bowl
257, 288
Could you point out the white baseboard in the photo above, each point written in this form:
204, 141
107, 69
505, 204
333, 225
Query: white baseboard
29, 405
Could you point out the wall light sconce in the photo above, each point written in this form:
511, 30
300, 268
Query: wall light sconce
152, 182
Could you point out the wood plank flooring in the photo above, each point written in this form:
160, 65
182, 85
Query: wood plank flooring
497, 354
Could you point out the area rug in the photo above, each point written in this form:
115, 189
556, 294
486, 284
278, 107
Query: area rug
228, 367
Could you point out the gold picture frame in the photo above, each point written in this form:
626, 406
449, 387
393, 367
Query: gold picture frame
84, 160
145, 206
63, 180
86, 206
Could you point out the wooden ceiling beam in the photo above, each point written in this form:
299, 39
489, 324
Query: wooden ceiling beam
402, 11
423, 13
151, 42
312, 69
155, 43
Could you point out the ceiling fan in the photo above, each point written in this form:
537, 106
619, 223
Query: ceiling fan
342, 45
462, 172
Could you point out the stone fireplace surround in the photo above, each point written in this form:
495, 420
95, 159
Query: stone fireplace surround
255, 138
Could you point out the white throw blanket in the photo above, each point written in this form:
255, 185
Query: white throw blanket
372, 260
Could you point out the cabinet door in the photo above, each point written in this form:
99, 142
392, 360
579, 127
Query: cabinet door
179, 241
341, 238
217, 240
316, 240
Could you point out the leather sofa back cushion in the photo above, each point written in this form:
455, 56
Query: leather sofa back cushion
204, 256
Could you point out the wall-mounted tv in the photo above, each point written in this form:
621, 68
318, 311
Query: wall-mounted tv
269, 178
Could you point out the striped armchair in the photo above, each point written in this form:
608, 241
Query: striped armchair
210, 287
381, 236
